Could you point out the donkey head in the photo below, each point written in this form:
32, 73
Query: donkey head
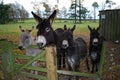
67, 37
45, 33
25, 38
94, 36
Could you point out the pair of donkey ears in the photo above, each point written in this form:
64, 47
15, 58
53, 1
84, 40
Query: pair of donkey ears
93, 28
72, 29
24, 30
50, 18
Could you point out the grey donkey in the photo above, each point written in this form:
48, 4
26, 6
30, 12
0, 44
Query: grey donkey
26, 41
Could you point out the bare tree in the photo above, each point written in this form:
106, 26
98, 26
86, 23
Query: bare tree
37, 6
24, 14
47, 9
64, 12
17, 11
95, 6
109, 3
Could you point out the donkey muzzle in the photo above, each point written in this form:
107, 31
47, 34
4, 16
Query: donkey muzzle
41, 41
65, 44
95, 41
40, 45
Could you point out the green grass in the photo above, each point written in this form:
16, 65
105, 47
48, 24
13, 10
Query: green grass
14, 27
11, 31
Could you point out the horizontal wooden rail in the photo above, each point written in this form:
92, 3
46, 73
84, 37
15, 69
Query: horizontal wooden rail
33, 76
78, 73
32, 67
22, 56
30, 61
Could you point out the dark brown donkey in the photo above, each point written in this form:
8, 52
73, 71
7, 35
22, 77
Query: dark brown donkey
95, 47
46, 35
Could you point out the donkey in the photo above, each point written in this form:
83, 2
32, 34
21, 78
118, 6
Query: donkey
95, 47
26, 40
60, 51
46, 35
76, 50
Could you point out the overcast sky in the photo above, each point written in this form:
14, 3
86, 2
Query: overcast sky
62, 3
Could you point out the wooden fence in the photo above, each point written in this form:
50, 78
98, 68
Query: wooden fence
11, 69
110, 24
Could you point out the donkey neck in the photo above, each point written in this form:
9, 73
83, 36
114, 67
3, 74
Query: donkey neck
72, 48
33, 42
55, 37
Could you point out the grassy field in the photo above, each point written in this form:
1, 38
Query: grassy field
11, 31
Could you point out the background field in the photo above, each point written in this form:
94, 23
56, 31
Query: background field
11, 31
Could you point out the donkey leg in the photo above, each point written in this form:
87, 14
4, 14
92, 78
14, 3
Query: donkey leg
64, 65
59, 61
70, 69
77, 68
93, 65
87, 64
96, 67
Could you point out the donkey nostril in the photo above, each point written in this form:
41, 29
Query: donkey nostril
20, 47
95, 43
40, 44
64, 46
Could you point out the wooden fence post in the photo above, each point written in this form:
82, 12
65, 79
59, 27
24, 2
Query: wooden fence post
102, 60
7, 59
51, 62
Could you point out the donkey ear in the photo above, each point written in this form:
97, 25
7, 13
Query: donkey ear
37, 18
73, 28
52, 16
89, 28
31, 29
65, 27
21, 28
98, 28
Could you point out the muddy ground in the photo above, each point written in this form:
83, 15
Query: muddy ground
111, 70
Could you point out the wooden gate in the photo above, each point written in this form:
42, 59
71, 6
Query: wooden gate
11, 69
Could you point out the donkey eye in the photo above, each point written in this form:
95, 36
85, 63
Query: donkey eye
47, 29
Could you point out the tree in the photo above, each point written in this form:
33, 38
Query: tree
80, 6
78, 11
17, 11
24, 14
75, 10
109, 3
4, 16
47, 9
37, 7
95, 6
64, 12
84, 12
13, 13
